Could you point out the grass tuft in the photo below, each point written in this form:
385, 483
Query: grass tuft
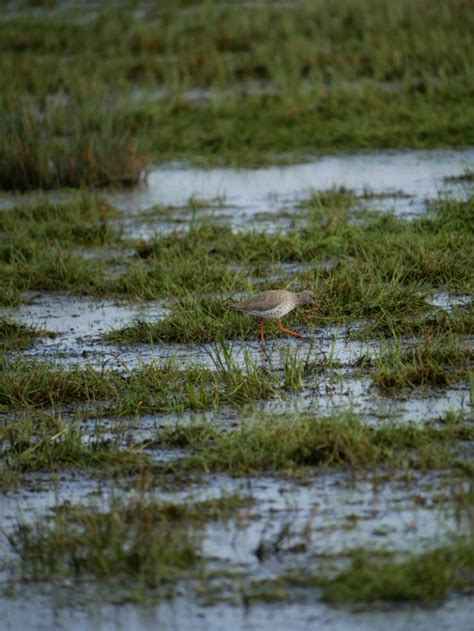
424, 577
66, 146
377, 577
152, 388
436, 362
293, 444
16, 336
458, 321
51, 444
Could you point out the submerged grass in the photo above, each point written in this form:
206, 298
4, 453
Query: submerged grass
140, 546
466, 176
276, 82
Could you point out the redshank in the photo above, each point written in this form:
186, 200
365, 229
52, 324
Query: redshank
273, 305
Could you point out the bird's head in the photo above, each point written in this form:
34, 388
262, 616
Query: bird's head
306, 297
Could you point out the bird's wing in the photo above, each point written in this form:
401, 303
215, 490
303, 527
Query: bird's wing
264, 301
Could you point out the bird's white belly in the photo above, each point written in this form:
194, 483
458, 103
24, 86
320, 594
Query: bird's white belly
273, 314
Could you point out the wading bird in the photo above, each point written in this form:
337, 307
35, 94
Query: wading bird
273, 305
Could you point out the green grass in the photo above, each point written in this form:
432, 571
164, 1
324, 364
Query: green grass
192, 321
174, 277
379, 577
431, 250
140, 545
83, 219
423, 577
36, 245
217, 44
382, 267
52, 270
78, 101
385, 268
66, 146
435, 362
152, 388
294, 444
269, 130
458, 321
16, 336
50, 444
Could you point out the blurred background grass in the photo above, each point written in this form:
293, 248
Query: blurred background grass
92, 92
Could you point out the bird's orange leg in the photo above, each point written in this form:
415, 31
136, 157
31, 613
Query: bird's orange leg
294, 333
262, 332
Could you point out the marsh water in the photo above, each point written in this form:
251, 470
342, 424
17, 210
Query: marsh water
339, 510
414, 176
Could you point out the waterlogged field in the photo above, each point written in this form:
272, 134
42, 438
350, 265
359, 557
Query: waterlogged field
158, 467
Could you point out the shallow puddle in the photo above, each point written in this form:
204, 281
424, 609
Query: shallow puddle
447, 301
79, 316
79, 323
399, 182
416, 174
347, 390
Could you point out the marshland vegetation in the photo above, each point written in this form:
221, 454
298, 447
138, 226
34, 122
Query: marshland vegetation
94, 97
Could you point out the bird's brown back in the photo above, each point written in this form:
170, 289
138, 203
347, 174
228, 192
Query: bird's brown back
265, 301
